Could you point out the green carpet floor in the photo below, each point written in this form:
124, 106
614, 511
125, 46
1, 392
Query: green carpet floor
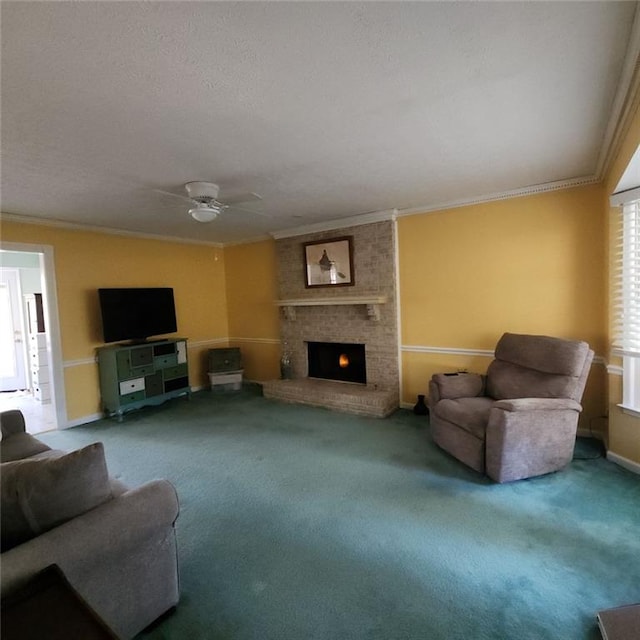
300, 523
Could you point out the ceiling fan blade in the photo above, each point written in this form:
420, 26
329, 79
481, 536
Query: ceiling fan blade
240, 198
175, 195
240, 202
239, 209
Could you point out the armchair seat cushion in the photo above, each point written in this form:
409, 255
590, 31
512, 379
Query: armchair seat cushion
470, 414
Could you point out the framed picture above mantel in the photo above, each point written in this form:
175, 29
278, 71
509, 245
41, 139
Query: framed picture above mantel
329, 263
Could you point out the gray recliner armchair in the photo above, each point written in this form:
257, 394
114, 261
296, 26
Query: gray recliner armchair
520, 419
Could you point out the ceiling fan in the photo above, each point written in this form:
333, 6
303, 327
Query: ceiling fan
203, 196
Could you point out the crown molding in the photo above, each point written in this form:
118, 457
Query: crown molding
531, 190
74, 226
341, 223
253, 240
625, 101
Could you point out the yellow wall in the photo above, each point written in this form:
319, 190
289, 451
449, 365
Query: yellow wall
532, 264
252, 289
85, 261
624, 429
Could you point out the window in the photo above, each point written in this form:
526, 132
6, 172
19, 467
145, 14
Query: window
627, 296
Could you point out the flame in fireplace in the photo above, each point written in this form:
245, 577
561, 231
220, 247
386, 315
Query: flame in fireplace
343, 361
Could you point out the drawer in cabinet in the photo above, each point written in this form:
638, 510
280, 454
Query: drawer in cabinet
142, 371
134, 362
126, 371
136, 396
222, 360
177, 384
141, 356
162, 362
129, 386
38, 357
37, 341
42, 393
179, 371
40, 375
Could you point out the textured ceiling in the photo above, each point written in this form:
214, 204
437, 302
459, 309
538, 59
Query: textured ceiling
327, 110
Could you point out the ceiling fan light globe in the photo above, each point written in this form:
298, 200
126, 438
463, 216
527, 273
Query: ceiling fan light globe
203, 214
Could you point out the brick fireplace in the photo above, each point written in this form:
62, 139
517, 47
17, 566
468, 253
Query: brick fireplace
363, 314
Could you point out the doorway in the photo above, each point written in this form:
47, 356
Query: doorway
13, 361
30, 352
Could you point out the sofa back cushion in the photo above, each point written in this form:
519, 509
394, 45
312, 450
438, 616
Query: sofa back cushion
529, 366
38, 495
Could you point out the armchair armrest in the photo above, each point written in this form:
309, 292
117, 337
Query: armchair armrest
121, 557
538, 404
456, 385
101, 535
528, 437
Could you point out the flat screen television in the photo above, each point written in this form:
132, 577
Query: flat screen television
137, 313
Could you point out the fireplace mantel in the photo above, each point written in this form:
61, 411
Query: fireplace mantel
371, 302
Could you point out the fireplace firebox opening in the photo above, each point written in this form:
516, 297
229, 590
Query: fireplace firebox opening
337, 361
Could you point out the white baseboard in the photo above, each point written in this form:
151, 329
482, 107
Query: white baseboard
630, 465
84, 420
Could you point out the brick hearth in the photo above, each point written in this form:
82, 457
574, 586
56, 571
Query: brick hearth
350, 398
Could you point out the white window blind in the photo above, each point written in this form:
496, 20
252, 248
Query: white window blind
627, 277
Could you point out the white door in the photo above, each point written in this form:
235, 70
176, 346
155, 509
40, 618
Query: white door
12, 348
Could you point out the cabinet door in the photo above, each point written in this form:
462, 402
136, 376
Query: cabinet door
123, 363
153, 385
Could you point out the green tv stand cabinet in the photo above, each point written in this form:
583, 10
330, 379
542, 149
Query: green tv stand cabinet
136, 375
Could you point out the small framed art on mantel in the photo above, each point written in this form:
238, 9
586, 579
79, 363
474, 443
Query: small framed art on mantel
329, 263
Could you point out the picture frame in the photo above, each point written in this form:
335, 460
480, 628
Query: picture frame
329, 263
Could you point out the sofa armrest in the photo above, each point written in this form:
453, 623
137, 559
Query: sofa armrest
121, 557
538, 404
122, 522
12, 422
455, 385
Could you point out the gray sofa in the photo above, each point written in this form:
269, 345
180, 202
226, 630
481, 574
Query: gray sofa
116, 546
520, 419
